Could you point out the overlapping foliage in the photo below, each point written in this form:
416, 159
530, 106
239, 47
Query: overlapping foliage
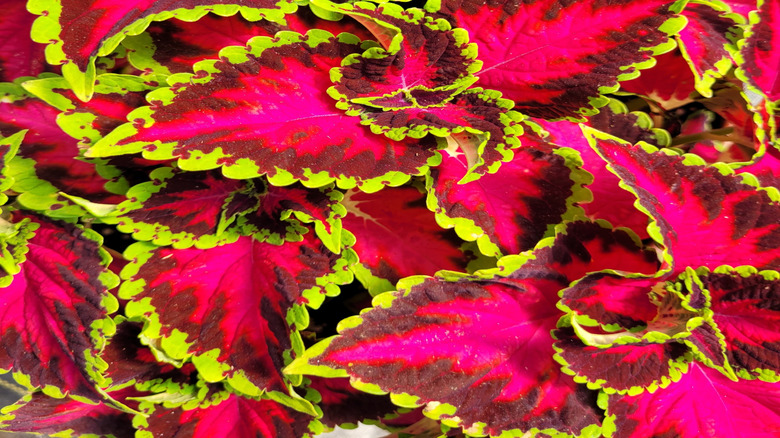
458, 217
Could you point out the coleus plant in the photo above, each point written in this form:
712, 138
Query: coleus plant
270, 218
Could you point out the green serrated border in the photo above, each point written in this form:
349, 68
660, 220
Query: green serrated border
467, 230
243, 168
46, 29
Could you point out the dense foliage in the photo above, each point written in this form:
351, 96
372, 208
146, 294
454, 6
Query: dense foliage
258, 218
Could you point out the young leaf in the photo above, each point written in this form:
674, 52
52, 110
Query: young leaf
54, 316
425, 63
704, 216
555, 59
78, 31
702, 402
227, 306
284, 124
669, 83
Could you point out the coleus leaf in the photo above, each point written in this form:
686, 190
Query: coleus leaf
704, 216
130, 362
479, 121
744, 309
396, 236
206, 209
509, 211
609, 202
116, 95
612, 299
18, 55
48, 159
235, 416
624, 368
757, 60
424, 61
557, 58
80, 30
175, 46
704, 42
482, 344
298, 135
669, 83
226, 307
54, 316
702, 402
185, 208
42, 414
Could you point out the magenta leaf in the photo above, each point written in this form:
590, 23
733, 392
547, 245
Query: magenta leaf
18, 55
480, 121
609, 202
704, 216
42, 414
235, 416
483, 346
704, 43
386, 255
703, 402
48, 159
670, 83
509, 211
759, 60
185, 208
619, 368
226, 307
298, 135
425, 63
612, 299
115, 97
744, 309
555, 59
174, 46
54, 312
85, 29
